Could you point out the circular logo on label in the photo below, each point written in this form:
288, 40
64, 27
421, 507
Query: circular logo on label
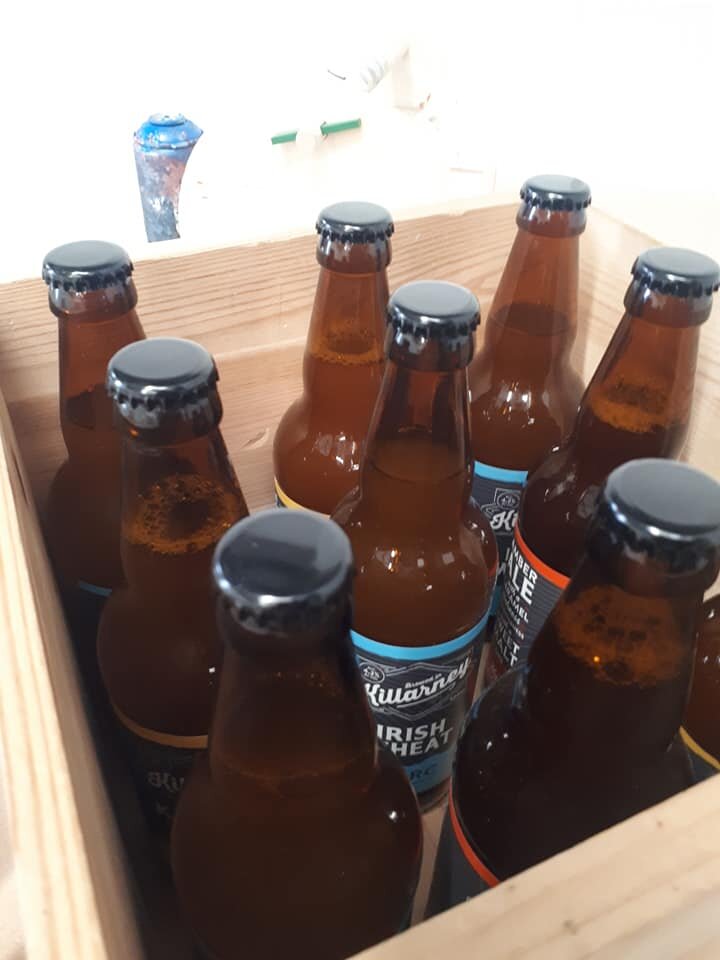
372, 673
508, 499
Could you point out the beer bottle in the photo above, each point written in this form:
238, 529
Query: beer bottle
320, 439
91, 292
586, 733
157, 640
701, 731
295, 836
424, 551
524, 393
637, 405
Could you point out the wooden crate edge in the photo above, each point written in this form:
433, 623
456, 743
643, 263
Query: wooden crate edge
74, 901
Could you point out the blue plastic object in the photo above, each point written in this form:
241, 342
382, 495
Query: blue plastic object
162, 147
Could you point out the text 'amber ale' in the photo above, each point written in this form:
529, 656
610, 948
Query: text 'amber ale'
524, 393
321, 438
637, 405
701, 728
91, 292
425, 554
157, 643
295, 836
586, 733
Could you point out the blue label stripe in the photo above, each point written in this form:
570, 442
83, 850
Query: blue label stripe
93, 588
418, 653
499, 473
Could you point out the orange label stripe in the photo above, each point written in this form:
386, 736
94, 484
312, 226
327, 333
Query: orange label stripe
164, 739
554, 576
472, 858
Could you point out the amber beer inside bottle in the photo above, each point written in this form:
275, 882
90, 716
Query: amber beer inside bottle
524, 391
637, 405
91, 292
321, 438
586, 733
295, 835
157, 644
425, 553
701, 730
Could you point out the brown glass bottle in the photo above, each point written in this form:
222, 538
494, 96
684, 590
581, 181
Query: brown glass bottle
701, 731
91, 292
586, 733
295, 835
637, 405
524, 393
425, 554
321, 437
157, 642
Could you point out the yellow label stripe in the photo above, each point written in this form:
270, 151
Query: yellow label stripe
698, 750
156, 736
291, 504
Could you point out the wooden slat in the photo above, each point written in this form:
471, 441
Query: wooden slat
67, 864
250, 307
648, 889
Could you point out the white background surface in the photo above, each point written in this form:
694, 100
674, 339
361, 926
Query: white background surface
622, 94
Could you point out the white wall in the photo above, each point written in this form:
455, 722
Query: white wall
622, 94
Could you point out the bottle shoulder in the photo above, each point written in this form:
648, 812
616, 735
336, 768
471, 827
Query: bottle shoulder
462, 542
516, 425
521, 797
415, 590
700, 716
386, 799
225, 861
557, 505
491, 732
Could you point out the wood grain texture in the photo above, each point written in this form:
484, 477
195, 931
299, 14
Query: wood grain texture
250, 307
639, 891
67, 863
648, 889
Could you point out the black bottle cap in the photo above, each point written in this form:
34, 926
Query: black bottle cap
86, 265
552, 191
677, 272
429, 309
354, 221
151, 378
282, 571
666, 510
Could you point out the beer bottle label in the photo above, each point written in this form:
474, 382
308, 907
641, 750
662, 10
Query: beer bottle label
530, 592
159, 763
497, 492
459, 872
283, 500
419, 697
704, 764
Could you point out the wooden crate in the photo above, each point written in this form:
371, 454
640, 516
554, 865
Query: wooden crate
648, 888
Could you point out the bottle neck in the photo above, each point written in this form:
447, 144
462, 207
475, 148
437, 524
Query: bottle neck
91, 328
347, 326
537, 295
177, 501
608, 676
419, 446
292, 719
639, 400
